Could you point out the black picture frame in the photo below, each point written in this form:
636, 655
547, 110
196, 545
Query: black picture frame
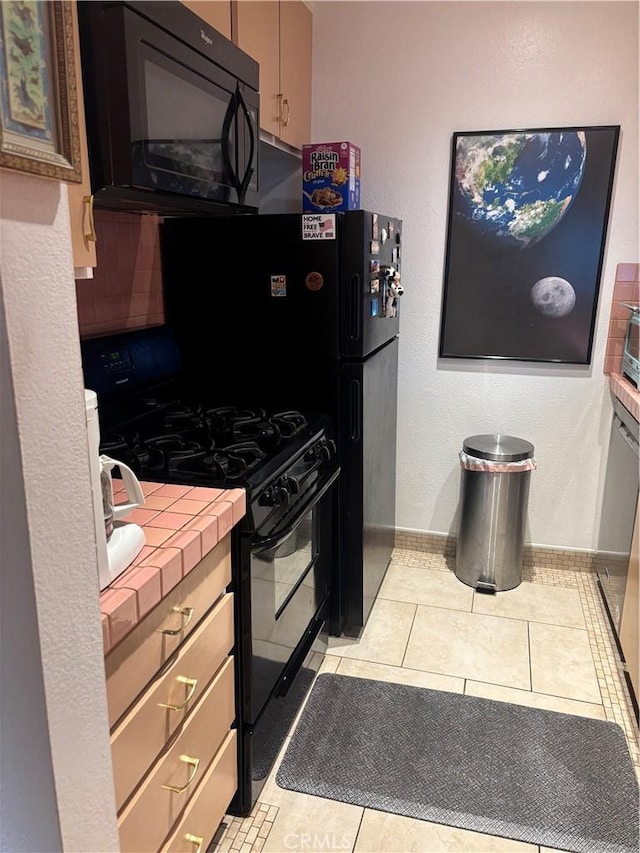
526, 233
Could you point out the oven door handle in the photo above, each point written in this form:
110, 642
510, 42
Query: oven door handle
269, 543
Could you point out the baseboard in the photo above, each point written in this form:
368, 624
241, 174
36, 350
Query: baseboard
535, 556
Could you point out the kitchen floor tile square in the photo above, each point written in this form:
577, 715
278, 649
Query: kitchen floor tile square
381, 832
554, 605
423, 586
312, 823
562, 663
470, 645
385, 635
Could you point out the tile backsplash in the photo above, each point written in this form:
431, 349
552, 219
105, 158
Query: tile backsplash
625, 290
126, 290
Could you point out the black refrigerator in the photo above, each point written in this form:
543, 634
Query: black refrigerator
303, 312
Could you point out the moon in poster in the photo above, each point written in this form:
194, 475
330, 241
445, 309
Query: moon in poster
553, 296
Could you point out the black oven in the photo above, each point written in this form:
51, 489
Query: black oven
285, 557
171, 108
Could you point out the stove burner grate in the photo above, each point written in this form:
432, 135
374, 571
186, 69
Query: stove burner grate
190, 441
232, 463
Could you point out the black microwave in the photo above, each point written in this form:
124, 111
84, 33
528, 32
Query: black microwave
172, 110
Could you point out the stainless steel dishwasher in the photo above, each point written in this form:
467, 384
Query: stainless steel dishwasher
619, 501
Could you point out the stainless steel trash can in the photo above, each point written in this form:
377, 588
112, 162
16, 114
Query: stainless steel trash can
494, 493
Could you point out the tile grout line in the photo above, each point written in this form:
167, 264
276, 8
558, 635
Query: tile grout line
355, 840
413, 620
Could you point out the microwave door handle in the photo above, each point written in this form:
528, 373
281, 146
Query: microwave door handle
244, 183
226, 130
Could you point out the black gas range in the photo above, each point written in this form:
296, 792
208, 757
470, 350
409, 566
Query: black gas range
283, 551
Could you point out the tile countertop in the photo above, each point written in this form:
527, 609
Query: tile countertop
628, 395
182, 524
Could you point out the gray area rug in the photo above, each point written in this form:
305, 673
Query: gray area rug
542, 777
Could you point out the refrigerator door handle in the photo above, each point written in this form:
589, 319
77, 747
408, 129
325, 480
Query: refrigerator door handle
354, 410
355, 302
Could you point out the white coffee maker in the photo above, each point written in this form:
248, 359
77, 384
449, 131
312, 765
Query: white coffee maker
118, 542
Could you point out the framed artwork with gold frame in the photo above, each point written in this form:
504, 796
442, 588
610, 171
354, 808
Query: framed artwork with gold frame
39, 130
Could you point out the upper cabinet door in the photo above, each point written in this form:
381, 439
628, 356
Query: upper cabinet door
295, 71
217, 13
258, 34
278, 35
80, 199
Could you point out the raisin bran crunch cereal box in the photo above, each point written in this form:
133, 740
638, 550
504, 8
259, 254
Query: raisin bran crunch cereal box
330, 177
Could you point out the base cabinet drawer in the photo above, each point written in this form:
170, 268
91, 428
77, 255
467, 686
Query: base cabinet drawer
145, 731
162, 797
136, 660
197, 826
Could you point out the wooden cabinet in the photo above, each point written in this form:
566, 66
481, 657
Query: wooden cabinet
217, 13
155, 640
80, 200
295, 71
171, 695
630, 623
278, 35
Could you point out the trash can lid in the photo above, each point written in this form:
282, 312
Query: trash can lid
498, 447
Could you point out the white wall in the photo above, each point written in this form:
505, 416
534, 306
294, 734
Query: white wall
57, 787
398, 78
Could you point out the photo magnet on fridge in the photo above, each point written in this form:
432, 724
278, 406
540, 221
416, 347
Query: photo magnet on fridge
278, 285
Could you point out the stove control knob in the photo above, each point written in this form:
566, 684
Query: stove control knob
284, 496
267, 498
291, 485
324, 452
274, 496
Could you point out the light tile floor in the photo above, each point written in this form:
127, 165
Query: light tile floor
547, 644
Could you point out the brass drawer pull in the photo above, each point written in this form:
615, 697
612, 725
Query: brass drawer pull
198, 840
88, 233
195, 763
186, 614
192, 683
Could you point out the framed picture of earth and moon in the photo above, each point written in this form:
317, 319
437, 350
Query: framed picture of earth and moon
528, 212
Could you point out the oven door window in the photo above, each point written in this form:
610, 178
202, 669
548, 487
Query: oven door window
286, 585
292, 561
184, 130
